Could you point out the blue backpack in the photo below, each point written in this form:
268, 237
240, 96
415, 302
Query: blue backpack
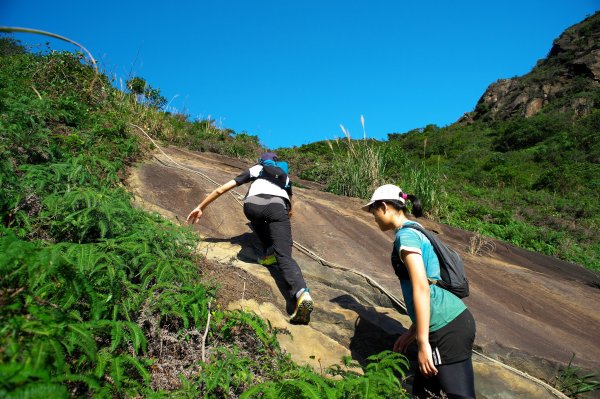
275, 172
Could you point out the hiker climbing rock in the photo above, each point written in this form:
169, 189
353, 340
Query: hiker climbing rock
268, 207
443, 327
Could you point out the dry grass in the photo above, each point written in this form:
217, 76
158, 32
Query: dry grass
481, 245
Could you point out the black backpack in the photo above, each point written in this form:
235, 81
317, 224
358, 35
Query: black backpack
452, 268
275, 172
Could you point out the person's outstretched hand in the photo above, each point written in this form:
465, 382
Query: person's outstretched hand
194, 215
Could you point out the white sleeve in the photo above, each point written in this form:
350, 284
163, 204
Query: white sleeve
255, 171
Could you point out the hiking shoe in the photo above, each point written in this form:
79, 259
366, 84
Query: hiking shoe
304, 306
267, 260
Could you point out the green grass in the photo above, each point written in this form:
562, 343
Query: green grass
573, 382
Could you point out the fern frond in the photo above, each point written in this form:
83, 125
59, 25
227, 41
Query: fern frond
116, 335
137, 335
325, 386
58, 355
138, 366
302, 389
83, 338
268, 390
10, 370
214, 379
39, 390
102, 362
117, 370
91, 382
387, 360
39, 353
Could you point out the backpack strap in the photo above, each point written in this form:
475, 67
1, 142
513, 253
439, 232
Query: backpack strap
452, 269
418, 228
434, 244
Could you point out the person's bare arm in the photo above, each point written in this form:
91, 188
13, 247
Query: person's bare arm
422, 301
195, 215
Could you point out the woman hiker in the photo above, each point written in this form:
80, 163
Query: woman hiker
268, 207
443, 327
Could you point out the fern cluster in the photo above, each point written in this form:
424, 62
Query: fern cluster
79, 263
380, 379
57, 328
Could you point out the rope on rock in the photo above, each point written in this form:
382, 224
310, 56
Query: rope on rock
237, 196
395, 300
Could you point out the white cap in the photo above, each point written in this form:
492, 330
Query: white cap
386, 192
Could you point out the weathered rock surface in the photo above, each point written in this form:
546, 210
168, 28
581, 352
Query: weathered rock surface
532, 311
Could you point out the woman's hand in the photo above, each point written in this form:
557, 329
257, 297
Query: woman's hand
426, 365
404, 340
194, 215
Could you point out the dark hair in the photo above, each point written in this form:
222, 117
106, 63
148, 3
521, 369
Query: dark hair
417, 209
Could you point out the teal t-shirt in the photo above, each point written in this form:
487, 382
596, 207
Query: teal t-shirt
444, 305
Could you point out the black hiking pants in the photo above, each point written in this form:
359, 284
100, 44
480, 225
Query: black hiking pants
452, 343
455, 380
269, 219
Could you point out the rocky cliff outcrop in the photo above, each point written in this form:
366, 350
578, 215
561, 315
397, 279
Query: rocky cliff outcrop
568, 80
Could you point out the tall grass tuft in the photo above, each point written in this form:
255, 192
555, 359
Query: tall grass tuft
428, 187
358, 167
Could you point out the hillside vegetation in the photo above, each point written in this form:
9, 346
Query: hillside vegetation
98, 298
523, 167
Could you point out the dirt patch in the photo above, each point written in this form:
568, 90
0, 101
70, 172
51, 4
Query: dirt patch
235, 284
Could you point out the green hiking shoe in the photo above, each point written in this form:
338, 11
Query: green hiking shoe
304, 307
268, 260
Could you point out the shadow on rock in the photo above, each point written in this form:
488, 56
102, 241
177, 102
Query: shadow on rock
251, 250
374, 331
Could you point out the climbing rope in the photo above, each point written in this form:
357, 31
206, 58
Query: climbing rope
395, 300
237, 196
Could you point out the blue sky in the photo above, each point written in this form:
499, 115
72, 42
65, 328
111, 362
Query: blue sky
292, 71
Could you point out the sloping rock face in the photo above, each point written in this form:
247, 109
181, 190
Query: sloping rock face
532, 311
571, 67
